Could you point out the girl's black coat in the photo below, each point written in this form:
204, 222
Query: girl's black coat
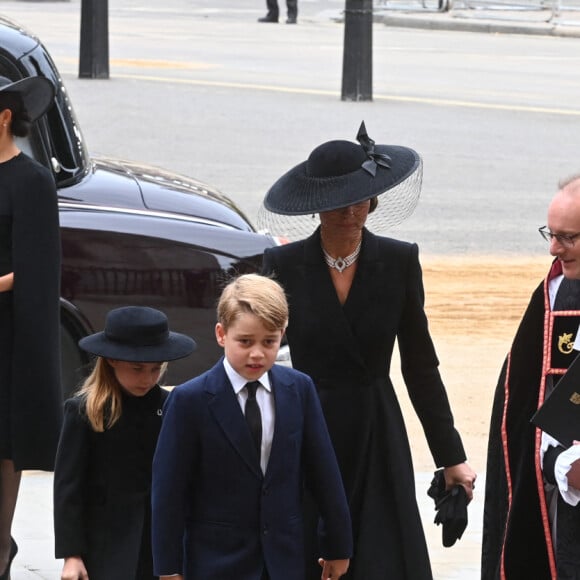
102, 488
347, 351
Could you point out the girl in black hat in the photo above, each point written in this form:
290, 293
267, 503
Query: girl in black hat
352, 295
102, 478
30, 394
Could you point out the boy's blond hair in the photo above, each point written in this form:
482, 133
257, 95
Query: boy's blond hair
254, 294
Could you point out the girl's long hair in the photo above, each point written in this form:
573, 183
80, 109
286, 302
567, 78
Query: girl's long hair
102, 394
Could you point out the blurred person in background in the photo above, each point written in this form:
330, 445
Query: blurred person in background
274, 12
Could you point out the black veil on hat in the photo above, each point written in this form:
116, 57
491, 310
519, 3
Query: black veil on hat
342, 173
36, 93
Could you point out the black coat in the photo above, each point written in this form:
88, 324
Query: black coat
30, 388
516, 534
216, 515
102, 488
347, 350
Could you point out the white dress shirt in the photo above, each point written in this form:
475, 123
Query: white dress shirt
265, 399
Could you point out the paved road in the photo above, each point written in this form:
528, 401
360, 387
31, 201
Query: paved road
33, 532
201, 88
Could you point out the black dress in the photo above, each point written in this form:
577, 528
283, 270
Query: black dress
102, 488
347, 350
30, 388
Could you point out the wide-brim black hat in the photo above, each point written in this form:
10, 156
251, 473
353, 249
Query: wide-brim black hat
342, 173
36, 93
138, 334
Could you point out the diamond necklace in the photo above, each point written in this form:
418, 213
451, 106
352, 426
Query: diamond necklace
339, 263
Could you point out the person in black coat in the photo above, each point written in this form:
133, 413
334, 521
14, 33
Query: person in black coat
274, 12
30, 389
531, 523
352, 294
102, 478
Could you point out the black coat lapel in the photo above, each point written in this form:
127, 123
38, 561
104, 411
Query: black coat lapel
368, 275
286, 407
319, 285
226, 410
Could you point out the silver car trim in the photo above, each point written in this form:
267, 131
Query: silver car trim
145, 212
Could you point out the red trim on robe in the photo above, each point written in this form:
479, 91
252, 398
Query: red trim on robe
548, 330
504, 442
555, 270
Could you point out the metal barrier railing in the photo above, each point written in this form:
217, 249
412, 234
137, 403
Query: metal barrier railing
414, 5
570, 6
556, 12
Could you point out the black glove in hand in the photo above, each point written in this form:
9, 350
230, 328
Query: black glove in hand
451, 506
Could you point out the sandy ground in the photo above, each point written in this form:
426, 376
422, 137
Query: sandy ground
474, 307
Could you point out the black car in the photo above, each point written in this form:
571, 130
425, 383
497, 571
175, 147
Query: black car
131, 234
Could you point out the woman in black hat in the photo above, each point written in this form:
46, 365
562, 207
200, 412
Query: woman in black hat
102, 477
351, 295
30, 390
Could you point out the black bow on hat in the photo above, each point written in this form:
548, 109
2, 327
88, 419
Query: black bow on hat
451, 506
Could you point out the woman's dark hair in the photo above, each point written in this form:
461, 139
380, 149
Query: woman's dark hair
374, 204
20, 120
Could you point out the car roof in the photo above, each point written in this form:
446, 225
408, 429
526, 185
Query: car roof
16, 40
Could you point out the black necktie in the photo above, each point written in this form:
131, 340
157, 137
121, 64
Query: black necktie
253, 416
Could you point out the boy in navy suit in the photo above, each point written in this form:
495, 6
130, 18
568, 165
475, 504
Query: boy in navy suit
237, 446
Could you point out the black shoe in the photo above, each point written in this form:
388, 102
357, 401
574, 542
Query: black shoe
291, 20
13, 552
267, 18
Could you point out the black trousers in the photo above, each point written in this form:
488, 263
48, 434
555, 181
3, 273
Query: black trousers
274, 11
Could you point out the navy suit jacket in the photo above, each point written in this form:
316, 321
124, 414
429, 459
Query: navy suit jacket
215, 515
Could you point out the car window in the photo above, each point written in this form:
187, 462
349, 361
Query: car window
55, 140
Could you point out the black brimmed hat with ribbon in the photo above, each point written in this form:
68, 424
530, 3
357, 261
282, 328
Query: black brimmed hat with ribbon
339, 174
138, 334
36, 94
